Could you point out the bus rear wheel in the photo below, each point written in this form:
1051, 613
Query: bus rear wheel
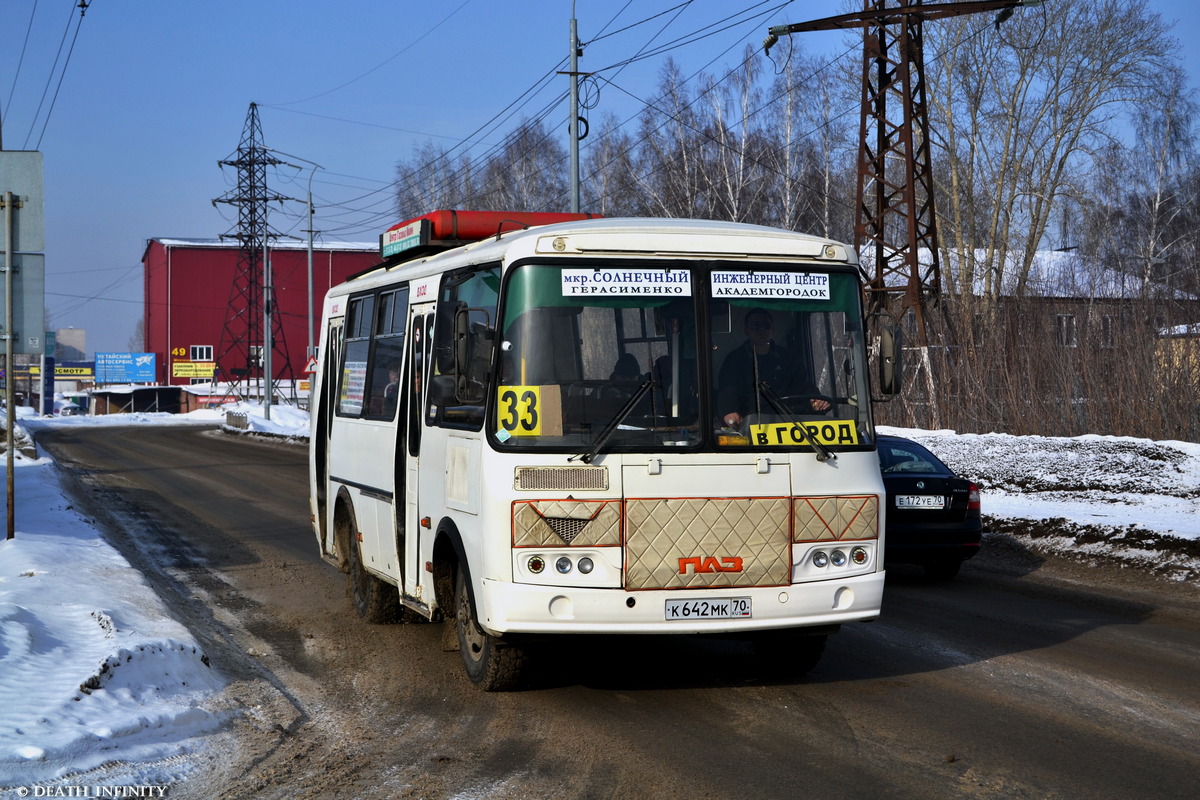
374, 600
492, 664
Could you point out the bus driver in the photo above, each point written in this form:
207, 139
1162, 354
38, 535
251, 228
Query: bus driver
775, 367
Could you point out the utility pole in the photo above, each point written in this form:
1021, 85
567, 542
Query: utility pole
573, 123
10, 413
895, 215
268, 344
22, 192
312, 350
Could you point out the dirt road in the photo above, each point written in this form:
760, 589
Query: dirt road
1025, 678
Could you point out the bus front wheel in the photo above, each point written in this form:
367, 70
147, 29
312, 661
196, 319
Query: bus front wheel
374, 600
492, 664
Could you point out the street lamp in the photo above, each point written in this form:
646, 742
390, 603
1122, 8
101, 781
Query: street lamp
315, 166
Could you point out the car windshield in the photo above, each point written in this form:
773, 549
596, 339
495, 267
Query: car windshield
616, 359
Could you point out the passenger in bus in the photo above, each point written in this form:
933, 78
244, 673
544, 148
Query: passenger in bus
626, 372
623, 381
776, 367
391, 392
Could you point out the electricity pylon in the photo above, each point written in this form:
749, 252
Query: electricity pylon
895, 220
245, 351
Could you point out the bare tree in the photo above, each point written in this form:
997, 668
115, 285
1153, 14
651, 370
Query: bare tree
738, 176
1022, 109
669, 166
1143, 213
528, 174
813, 119
432, 179
137, 340
609, 185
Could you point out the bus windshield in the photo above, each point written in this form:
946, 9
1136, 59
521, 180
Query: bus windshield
639, 358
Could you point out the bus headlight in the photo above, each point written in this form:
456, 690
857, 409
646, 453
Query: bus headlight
563, 565
586, 565
819, 559
859, 556
837, 558
536, 564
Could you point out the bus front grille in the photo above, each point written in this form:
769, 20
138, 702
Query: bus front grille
689, 543
562, 479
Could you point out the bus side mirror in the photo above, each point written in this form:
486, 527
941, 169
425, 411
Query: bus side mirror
891, 367
462, 349
462, 343
442, 391
444, 336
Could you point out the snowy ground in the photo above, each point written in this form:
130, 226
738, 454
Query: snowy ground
100, 687
1133, 500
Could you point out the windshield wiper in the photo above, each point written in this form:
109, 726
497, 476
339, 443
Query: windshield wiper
823, 452
617, 419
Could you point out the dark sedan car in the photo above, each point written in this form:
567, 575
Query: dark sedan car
933, 515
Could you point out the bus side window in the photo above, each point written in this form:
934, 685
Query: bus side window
355, 354
388, 353
463, 329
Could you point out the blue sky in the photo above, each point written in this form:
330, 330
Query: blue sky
156, 93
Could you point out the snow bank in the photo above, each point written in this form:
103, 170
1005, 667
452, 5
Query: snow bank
92, 668
1133, 500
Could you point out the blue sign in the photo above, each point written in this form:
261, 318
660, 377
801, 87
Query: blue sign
126, 368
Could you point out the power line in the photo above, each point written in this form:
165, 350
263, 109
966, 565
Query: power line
707, 31
49, 78
21, 61
83, 7
386, 61
509, 111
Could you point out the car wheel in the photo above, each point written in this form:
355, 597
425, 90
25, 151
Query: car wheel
493, 664
943, 570
374, 600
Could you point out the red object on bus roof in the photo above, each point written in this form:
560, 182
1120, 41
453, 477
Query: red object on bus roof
475, 225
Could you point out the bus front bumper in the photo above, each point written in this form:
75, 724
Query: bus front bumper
523, 608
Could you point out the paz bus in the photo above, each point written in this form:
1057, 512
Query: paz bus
535, 424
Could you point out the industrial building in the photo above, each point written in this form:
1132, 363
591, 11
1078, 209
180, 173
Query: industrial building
188, 286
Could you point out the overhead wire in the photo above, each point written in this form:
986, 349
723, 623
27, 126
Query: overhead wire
83, 7
21, 59
504, 115
386, 61
99, 295
678, 9
982, 29
49, 78
495, 121
621, 65
727, 23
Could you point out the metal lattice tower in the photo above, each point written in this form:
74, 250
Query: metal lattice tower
240, 355
895, 219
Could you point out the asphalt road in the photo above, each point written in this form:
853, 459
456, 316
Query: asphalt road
1025, 678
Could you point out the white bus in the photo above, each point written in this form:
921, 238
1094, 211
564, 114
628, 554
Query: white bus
646, 426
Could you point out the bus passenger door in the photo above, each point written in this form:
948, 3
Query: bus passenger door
321, 407
420, 326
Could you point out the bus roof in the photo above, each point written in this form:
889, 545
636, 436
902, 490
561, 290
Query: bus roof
617, 237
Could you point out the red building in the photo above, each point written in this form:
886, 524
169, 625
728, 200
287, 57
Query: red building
187, 290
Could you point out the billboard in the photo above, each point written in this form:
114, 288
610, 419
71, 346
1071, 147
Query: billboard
126, 368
